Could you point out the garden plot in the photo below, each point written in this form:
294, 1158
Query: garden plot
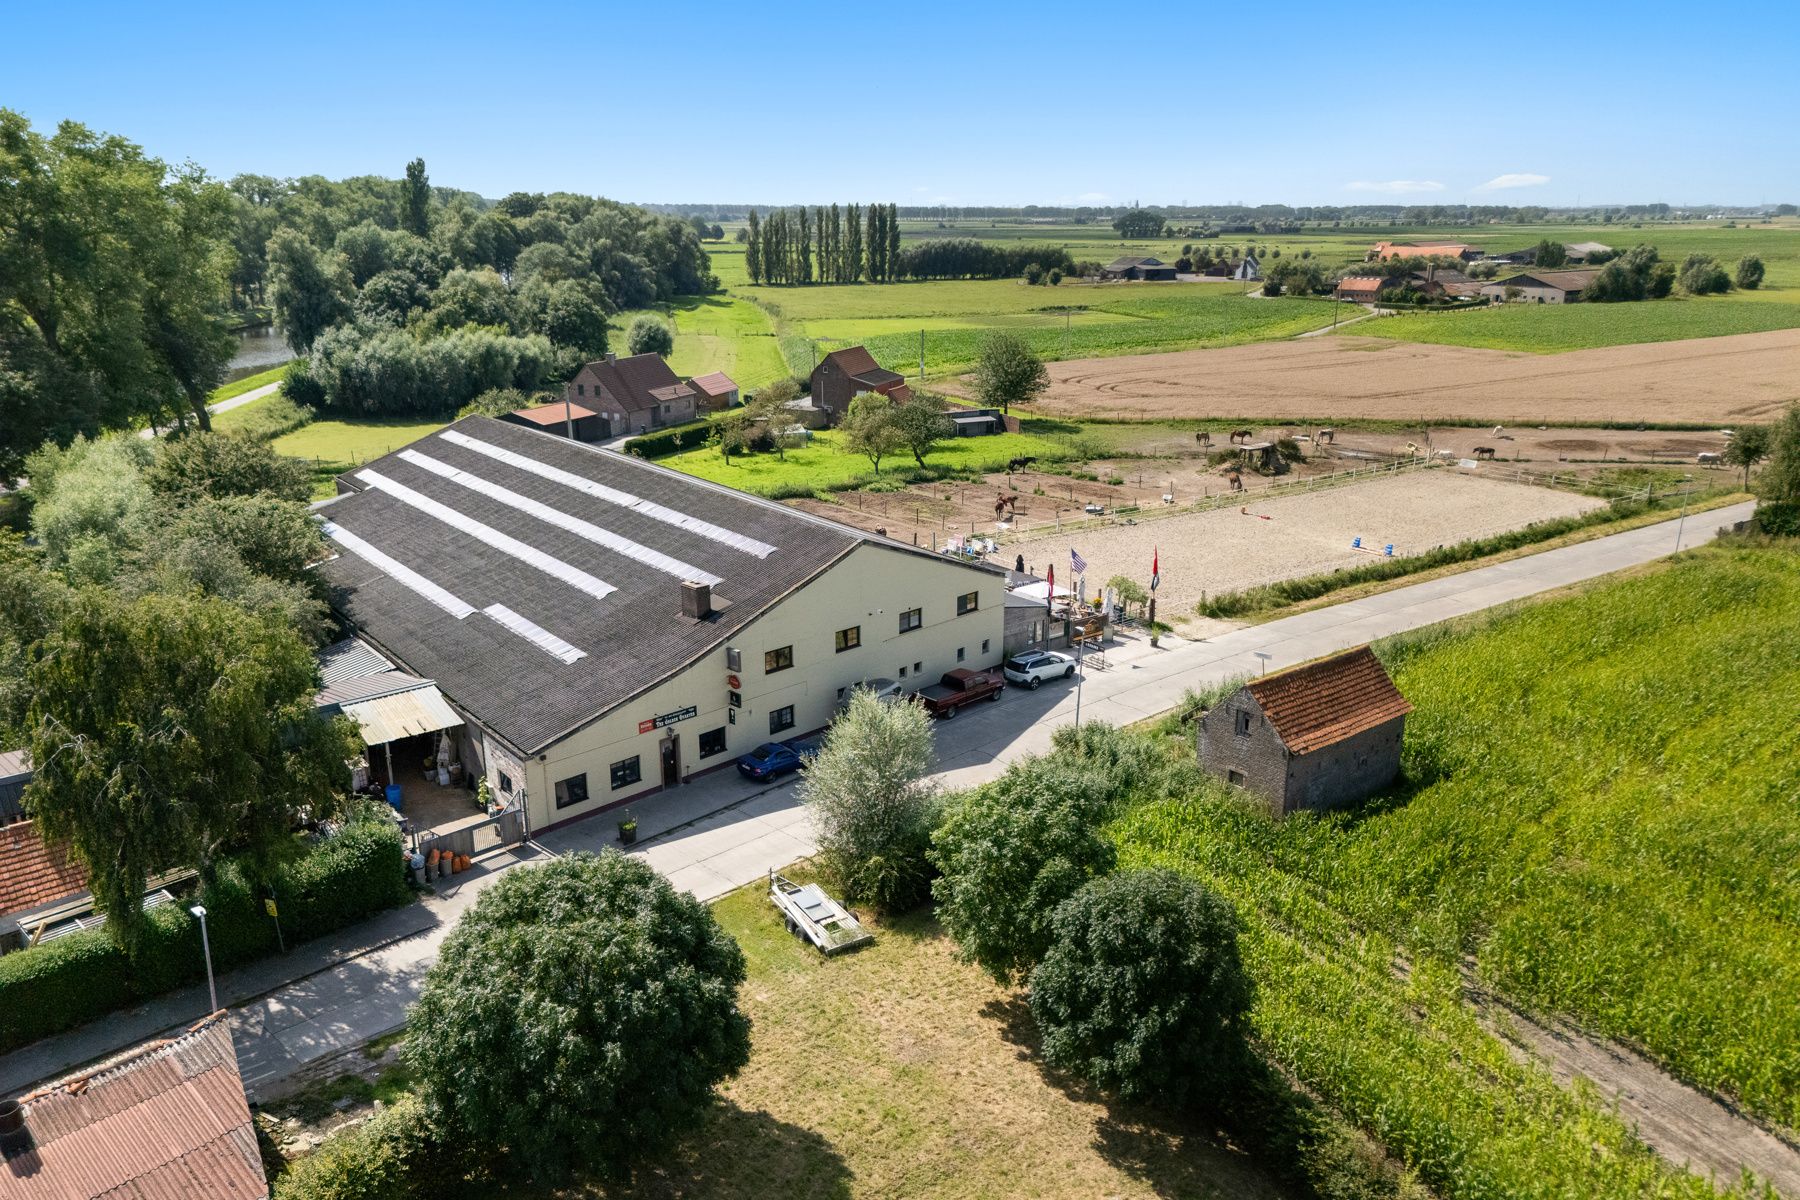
1265, 541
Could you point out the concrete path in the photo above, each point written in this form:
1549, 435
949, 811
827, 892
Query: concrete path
722, 832
254, 394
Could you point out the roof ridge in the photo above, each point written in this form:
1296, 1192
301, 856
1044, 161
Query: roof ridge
79, 1082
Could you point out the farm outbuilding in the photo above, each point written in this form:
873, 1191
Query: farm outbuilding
604, 628
1319, 736
588, 425
715, 392
1138, 267
842, 374
1541, 287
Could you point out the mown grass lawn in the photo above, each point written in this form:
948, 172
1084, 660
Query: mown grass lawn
335, 446
1554, 328
823, 465
897, 1071
250, 383
715, 333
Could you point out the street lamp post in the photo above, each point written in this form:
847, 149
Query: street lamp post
199, 911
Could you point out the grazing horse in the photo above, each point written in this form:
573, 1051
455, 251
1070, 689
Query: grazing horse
1236, 481
1484, 452
1019, 464
1325, 436
1204, 438
1242, 435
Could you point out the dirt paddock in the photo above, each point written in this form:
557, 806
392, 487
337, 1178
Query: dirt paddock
1228, 550
1743, 377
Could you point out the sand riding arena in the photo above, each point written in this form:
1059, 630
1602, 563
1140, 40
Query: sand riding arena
1266, 540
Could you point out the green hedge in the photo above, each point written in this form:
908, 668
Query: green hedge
674, 440
398, 1154
1778, 518
83, 976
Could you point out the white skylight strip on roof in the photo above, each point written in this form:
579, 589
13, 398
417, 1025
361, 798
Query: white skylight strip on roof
648, 508
537, 635
550, 565
562, 520
397, 571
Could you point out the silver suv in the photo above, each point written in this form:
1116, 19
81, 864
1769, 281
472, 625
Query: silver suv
1034, 666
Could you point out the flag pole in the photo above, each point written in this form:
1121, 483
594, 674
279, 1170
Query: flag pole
1155, 579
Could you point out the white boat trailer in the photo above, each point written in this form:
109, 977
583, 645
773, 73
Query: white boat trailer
815, 916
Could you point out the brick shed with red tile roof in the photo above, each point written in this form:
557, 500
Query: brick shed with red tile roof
1315, 737
165, 1121
842, 374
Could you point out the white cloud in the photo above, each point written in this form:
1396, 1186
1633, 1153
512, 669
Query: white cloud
1394, 187
1522, 179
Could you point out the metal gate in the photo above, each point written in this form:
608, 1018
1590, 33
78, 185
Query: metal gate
483, 837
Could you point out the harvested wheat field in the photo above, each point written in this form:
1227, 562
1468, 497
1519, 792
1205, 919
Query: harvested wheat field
1722, 380
1229, 550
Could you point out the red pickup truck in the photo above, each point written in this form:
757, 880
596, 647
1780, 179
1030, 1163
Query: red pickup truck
960, 687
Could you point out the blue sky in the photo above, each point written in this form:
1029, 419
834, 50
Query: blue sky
972, 103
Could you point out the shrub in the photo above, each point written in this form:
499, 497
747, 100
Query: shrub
83, 976
672, 440
1289, 450
872, 810
650, 335
1142, 991
1750, 273
579, 1017
1010, 852
1777, 518
61, 984
398, 1154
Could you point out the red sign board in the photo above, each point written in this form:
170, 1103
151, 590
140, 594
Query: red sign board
731, 681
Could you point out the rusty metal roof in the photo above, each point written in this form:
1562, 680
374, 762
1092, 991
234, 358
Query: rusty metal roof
1323, 703
165, 1121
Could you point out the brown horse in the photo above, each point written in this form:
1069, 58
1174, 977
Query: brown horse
1242, 435
1484, 452
1204, 438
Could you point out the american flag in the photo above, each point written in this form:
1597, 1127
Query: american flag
1078, 562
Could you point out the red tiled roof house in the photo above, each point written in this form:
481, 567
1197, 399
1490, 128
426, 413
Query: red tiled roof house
165, 1121
1319, 736
842, 374
35, 878
634, 395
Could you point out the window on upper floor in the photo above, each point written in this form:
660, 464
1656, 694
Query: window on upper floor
849, 639
911, 619
778, 660
968, 602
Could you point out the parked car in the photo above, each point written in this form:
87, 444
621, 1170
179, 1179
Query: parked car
886, 690
960, 687
1034, 666
773, 759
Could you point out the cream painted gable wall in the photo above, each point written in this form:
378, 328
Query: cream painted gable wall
868, 590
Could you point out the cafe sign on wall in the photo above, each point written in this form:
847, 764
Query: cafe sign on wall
668, 718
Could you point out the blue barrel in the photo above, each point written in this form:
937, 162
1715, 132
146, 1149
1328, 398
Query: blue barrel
393, 796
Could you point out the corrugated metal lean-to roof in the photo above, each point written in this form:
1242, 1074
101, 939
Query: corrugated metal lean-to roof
390, 718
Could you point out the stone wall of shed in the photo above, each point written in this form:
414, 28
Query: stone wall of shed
1257, 756
1347, 772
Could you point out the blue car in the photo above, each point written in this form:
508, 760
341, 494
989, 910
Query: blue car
774, 758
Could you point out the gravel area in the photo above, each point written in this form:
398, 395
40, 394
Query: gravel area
1228, 550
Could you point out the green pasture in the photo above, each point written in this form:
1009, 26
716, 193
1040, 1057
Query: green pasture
721, 332
1553, 328
823, 465
1606, 832
335, 446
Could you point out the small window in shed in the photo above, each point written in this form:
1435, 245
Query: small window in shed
1243, 724
1236, 777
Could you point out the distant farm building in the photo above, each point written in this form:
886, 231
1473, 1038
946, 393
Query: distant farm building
1575, 252
1247, 269
1316, 737
1139, 268
1382, 251
633, 395
975, 422
715, 392
1541, 287
589, 425
1359, 288
842, 374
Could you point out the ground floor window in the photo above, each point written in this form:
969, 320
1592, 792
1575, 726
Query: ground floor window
781, 718
1236, 777
572, 790
626, 773
712, 742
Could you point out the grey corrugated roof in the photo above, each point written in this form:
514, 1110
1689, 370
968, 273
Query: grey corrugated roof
350, 658
633, 637
367, 687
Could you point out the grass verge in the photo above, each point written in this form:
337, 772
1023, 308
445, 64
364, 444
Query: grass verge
335, 446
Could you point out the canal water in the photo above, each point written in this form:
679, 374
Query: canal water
259, 349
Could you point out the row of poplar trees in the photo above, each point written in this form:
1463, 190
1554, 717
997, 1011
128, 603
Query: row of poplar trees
824, 245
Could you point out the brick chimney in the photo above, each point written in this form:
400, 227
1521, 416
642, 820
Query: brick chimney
696, 599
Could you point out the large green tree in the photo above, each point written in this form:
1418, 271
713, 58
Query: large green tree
203, 741
1011, 851
921, 422
1779, 482
113, 271
870, 803
650, 335
1142, 991
868, 428
313, 290
1008, 373
1748, 446
415, 206
578, 1018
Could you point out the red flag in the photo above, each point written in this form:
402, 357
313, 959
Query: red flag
1155, 570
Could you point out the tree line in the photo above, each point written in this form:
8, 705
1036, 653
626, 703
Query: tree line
852, 243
